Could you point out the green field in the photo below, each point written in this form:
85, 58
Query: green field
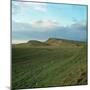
49, 65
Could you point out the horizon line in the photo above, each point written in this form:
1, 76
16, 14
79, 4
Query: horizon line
25, 41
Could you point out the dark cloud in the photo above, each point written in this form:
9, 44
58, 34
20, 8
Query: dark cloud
76, 31
79, 26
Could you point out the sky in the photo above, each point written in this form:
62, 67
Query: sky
40, 21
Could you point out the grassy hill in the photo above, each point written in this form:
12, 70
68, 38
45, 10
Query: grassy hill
55, 62
51, 42
36, 43
63, 42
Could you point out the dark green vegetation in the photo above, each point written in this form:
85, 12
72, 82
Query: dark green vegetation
55, 62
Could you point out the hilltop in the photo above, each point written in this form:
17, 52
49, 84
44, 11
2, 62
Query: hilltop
36, 43
59, 42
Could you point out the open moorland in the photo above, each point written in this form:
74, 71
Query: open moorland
55, 62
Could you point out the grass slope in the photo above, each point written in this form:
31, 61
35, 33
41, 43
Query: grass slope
49, 66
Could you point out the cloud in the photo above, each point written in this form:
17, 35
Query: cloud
39, 26
40, 7
47, 24
24, 31
18, 26
79, 26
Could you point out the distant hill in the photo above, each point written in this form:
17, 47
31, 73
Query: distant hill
54, 41
36, 43
60, 42
50, 42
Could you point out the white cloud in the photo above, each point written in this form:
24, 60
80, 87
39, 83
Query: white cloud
80, 26
46, 24
40, 26
41, 7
